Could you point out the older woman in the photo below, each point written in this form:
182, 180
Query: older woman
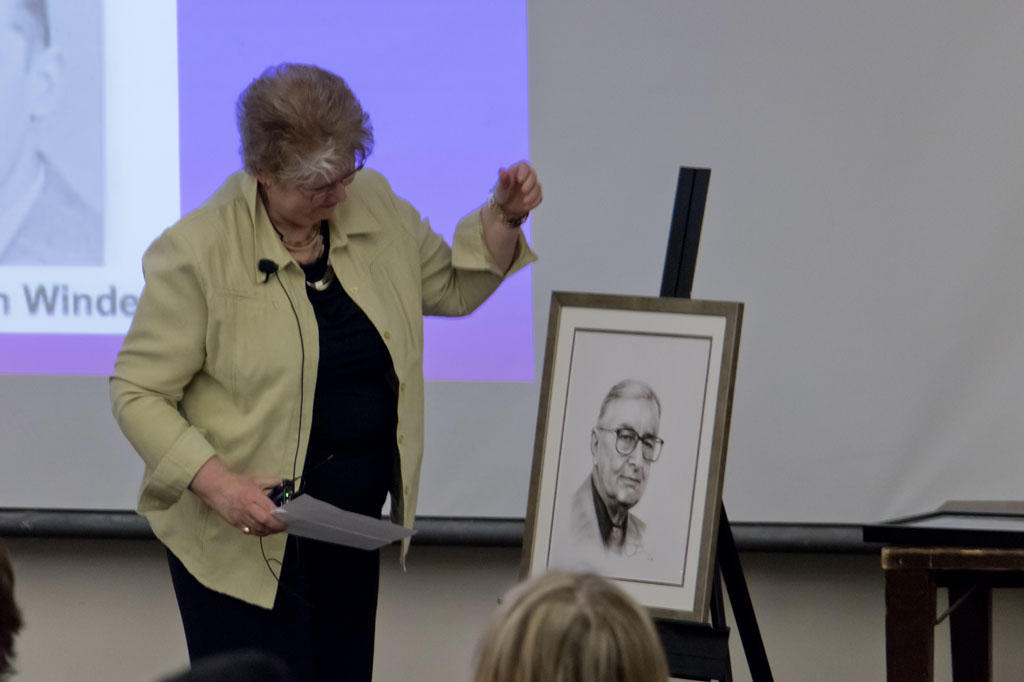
571, 628
280, 336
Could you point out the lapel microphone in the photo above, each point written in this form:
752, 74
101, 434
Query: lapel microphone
267, 267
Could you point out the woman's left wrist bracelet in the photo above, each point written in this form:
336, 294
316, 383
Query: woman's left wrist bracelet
506, 217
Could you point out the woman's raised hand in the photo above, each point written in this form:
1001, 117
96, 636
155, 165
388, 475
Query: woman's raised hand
518, 190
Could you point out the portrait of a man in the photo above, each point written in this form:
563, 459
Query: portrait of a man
624, 444
43, 220
627, 470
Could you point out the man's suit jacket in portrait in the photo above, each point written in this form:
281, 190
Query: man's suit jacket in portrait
59, 228
585, 526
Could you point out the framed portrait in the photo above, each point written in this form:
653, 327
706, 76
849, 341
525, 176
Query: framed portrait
630, 448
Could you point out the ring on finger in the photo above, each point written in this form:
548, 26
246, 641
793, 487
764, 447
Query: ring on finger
246, 530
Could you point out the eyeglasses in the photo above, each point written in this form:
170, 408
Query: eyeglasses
626, 440
318, 194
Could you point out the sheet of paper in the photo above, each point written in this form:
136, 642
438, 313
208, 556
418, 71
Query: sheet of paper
309, 517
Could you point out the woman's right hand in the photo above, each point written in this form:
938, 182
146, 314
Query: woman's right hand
239, 499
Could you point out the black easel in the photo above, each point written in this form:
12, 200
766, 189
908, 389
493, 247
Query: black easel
695, 650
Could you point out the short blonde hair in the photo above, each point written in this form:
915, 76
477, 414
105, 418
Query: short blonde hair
302, 126
566, 627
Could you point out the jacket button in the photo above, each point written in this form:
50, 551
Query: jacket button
387, 336
401, 387
401, 439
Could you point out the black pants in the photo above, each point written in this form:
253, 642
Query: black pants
323, 620
322, 624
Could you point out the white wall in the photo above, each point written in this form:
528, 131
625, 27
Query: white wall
104, 611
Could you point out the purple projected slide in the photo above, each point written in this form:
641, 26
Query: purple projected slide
445, 85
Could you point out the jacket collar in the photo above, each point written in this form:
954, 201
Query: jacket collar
349, 219
266, 244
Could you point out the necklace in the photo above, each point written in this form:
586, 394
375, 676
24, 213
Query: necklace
297, 245
324, 281
315, 251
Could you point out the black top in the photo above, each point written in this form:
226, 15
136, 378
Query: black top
352, 449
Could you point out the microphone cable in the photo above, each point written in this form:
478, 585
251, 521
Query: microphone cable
268, 268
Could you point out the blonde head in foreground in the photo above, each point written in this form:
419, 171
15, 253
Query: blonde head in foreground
564, 627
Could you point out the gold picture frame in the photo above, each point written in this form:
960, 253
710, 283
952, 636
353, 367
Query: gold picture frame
629, 456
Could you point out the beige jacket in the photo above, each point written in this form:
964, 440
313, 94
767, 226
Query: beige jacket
211, 364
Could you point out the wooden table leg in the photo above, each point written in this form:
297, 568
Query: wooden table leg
970, 633
909, 625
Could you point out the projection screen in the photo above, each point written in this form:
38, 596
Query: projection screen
865, 204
